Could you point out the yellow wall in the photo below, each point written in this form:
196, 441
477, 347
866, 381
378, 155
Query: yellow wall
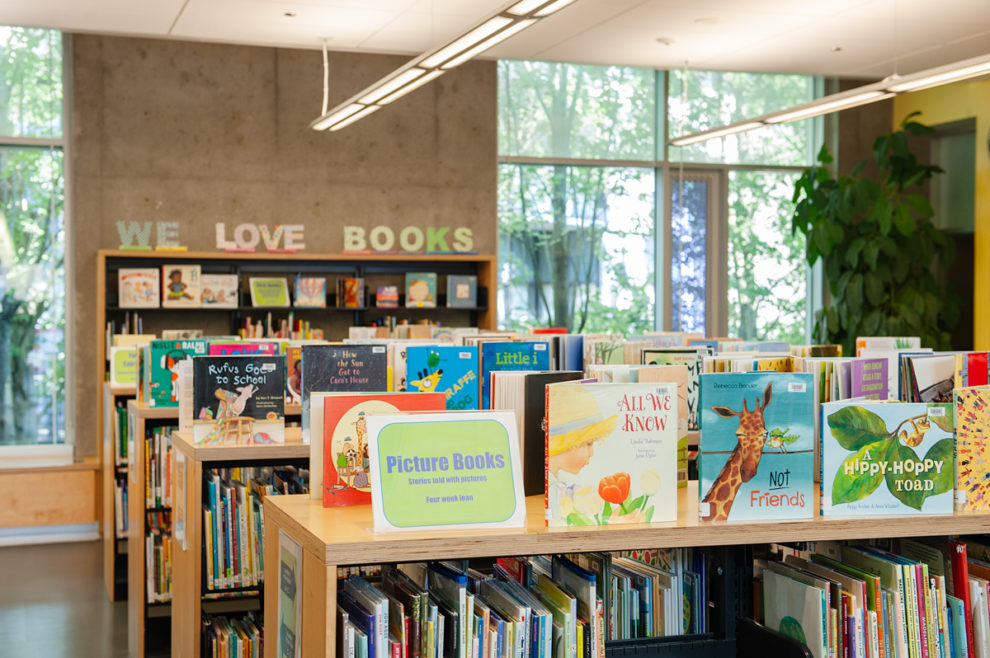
955, 102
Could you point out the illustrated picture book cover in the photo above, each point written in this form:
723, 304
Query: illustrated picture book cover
138, 287
241, 348
159, 374
884, 458
239, 399
462, 290
421, 289
293, 374
343, 368
345, 440
220, 290
677, 375
387, 297
611, 453
448, 369
972, 458
181, 286
311, 292
510, 356
757, 447
795, 609
269, 291
350, 292
694, 360
868, 378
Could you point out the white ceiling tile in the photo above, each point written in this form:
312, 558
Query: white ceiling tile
113, 16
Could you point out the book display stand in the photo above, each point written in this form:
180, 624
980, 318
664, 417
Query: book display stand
114, 472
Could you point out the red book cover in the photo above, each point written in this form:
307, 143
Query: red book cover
977, 369
960, 587
550, 330
345, 440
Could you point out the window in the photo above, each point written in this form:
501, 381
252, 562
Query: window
32, 238
584, 178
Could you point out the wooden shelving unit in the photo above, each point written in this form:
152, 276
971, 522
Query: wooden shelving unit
114, 548
332, 537
187, 565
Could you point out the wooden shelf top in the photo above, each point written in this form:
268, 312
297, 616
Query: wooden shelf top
167, 256
141, 411
344, 535
120, 390
293, 409
293, 448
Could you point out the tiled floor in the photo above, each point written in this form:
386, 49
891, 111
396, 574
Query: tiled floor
53, 603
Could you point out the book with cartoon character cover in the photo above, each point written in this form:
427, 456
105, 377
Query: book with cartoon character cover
239, 399
181, 286
332, 368
451, 370
882, 458
345, 441
611, 453
158, 375
757, 447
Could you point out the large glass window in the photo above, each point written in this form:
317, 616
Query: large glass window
32, 238
580, 169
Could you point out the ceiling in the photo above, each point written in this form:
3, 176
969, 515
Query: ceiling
853, 38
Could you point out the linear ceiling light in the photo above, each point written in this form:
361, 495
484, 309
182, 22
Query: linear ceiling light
871, 93
432, 64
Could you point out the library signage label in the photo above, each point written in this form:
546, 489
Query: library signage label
445, 471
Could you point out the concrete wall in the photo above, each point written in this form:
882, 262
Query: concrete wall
201, 133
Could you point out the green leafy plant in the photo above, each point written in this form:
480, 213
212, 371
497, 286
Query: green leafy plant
876, 451
878, 245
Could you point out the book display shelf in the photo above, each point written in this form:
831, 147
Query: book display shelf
114, 484
189, 590
332, 537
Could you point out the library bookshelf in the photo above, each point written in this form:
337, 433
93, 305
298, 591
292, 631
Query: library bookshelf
187, 564
332, 537
114, 544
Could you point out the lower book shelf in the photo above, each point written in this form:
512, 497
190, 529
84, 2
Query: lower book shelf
700, 579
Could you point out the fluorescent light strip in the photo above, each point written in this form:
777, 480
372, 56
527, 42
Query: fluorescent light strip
360, 115
339, 115
491, 42
524, 7
816, 108
387, 88
432, 75
552, 8
940, 78
715, 134
478, 34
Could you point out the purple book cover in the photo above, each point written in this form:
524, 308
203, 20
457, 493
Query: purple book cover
868, 379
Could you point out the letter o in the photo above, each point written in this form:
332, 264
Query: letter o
411, 238
382, 238
246, 236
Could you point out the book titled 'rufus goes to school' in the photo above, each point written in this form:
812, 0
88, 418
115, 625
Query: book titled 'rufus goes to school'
345, 440
757, 447
611, 453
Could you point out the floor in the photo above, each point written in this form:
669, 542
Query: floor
53, 603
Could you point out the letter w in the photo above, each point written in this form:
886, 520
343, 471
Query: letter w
130, 232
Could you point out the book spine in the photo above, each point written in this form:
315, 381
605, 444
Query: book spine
921, 590
960, 589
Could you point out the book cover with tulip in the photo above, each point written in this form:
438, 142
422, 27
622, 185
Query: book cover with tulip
611, 453
883, 458
757, 447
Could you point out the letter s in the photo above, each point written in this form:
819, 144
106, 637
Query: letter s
463, 239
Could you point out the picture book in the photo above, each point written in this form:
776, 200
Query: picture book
757, 447
868, 378
931, 377
347, 368
421, 289
387, 297
448, 369
181, 334
293, 374
611, 453
138, 287
886, 343
221, 290
158, 376
239, 399
181, 286
795, 609
462, 291
510, 356
123, 366
533, 433
677, 375
350, 292
885, 458
694, 360
241, 348
345, 440
972, 458
311, 292
269, 291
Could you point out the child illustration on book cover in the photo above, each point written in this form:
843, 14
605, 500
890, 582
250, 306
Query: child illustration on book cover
176, 288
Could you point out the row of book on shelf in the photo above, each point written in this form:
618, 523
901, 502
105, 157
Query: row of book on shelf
229, 636
187, 286
771, 422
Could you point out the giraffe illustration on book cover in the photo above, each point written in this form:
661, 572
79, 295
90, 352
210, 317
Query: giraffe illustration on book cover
756, 447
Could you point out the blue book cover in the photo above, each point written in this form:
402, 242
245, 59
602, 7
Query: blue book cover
757, 447
510, 356
881, 458
448, 369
